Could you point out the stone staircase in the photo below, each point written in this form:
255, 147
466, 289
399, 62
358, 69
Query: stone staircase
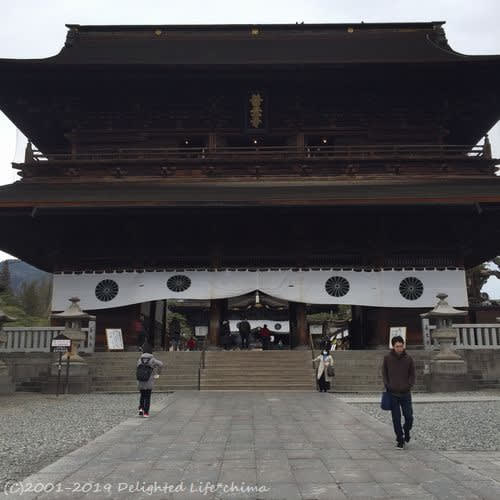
360, 371
355, 371
115, 371
258, 370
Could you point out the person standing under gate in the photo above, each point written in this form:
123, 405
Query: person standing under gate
325, 365
140, 331
265, 336
398, 371
175, 334
147, 364
225, 335
244, 329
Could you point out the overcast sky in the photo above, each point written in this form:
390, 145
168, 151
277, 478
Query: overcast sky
35, 29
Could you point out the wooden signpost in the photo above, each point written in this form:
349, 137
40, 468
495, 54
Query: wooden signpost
61, 344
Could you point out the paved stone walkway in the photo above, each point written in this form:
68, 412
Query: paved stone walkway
294, 445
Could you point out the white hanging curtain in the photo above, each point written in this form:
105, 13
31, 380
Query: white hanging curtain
406, 288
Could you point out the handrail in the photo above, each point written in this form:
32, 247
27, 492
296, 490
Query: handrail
311, 343
202, 362
360, 152
203, 351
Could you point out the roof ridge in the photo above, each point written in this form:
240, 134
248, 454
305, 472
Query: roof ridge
284, 26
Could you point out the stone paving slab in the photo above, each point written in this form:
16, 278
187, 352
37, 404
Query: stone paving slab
261, 445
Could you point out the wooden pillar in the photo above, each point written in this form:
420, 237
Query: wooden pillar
152, 323
164, 326
356, 331
300, 141
302, 336
216, 311
298, 311
212, 141
380, 333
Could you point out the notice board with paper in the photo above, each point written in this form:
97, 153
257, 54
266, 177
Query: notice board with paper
114, 339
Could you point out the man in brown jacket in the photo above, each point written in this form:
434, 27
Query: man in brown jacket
398, 371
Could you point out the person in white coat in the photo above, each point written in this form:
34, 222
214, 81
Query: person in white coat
324, 361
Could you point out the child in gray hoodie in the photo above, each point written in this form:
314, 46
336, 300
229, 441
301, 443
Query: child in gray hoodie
146, 386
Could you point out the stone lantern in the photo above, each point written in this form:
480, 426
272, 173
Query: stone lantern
73, 317
444, 333
448, 371
78, 370
6, 384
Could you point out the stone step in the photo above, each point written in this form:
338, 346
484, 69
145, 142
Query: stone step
131, 368
252, 387
356, 390
129, 389
262, 373
256, 362
275, 377
368, 388
257, 366
158, 386
259, 355
124, 362
173, 378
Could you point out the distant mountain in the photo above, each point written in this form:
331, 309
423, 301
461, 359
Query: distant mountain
20, 273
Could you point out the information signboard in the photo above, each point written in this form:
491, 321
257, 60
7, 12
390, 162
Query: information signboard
201, 330
114, 339
316, 329
396, 331
61, 342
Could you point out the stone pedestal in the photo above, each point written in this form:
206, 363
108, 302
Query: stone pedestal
7, 386
79, 379
448, 376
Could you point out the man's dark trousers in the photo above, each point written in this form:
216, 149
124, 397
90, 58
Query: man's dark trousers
244, 340
401, 403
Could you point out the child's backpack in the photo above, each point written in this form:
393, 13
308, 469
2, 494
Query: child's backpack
144, 370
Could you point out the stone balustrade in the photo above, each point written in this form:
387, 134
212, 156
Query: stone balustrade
38, 338
473, 336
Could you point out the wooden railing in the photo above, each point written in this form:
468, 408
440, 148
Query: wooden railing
38, 338
275, 153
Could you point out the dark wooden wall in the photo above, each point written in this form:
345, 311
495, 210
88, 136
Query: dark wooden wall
117, 317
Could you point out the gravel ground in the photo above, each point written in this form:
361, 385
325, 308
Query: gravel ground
451, 426
38, 429
426, 395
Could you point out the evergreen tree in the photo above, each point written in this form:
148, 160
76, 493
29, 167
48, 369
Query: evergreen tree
45, 296
5, 285
29, 298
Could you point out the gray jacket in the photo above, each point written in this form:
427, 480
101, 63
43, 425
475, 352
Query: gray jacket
156, 364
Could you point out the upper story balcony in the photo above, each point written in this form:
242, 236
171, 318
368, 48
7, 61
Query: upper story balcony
198, 163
